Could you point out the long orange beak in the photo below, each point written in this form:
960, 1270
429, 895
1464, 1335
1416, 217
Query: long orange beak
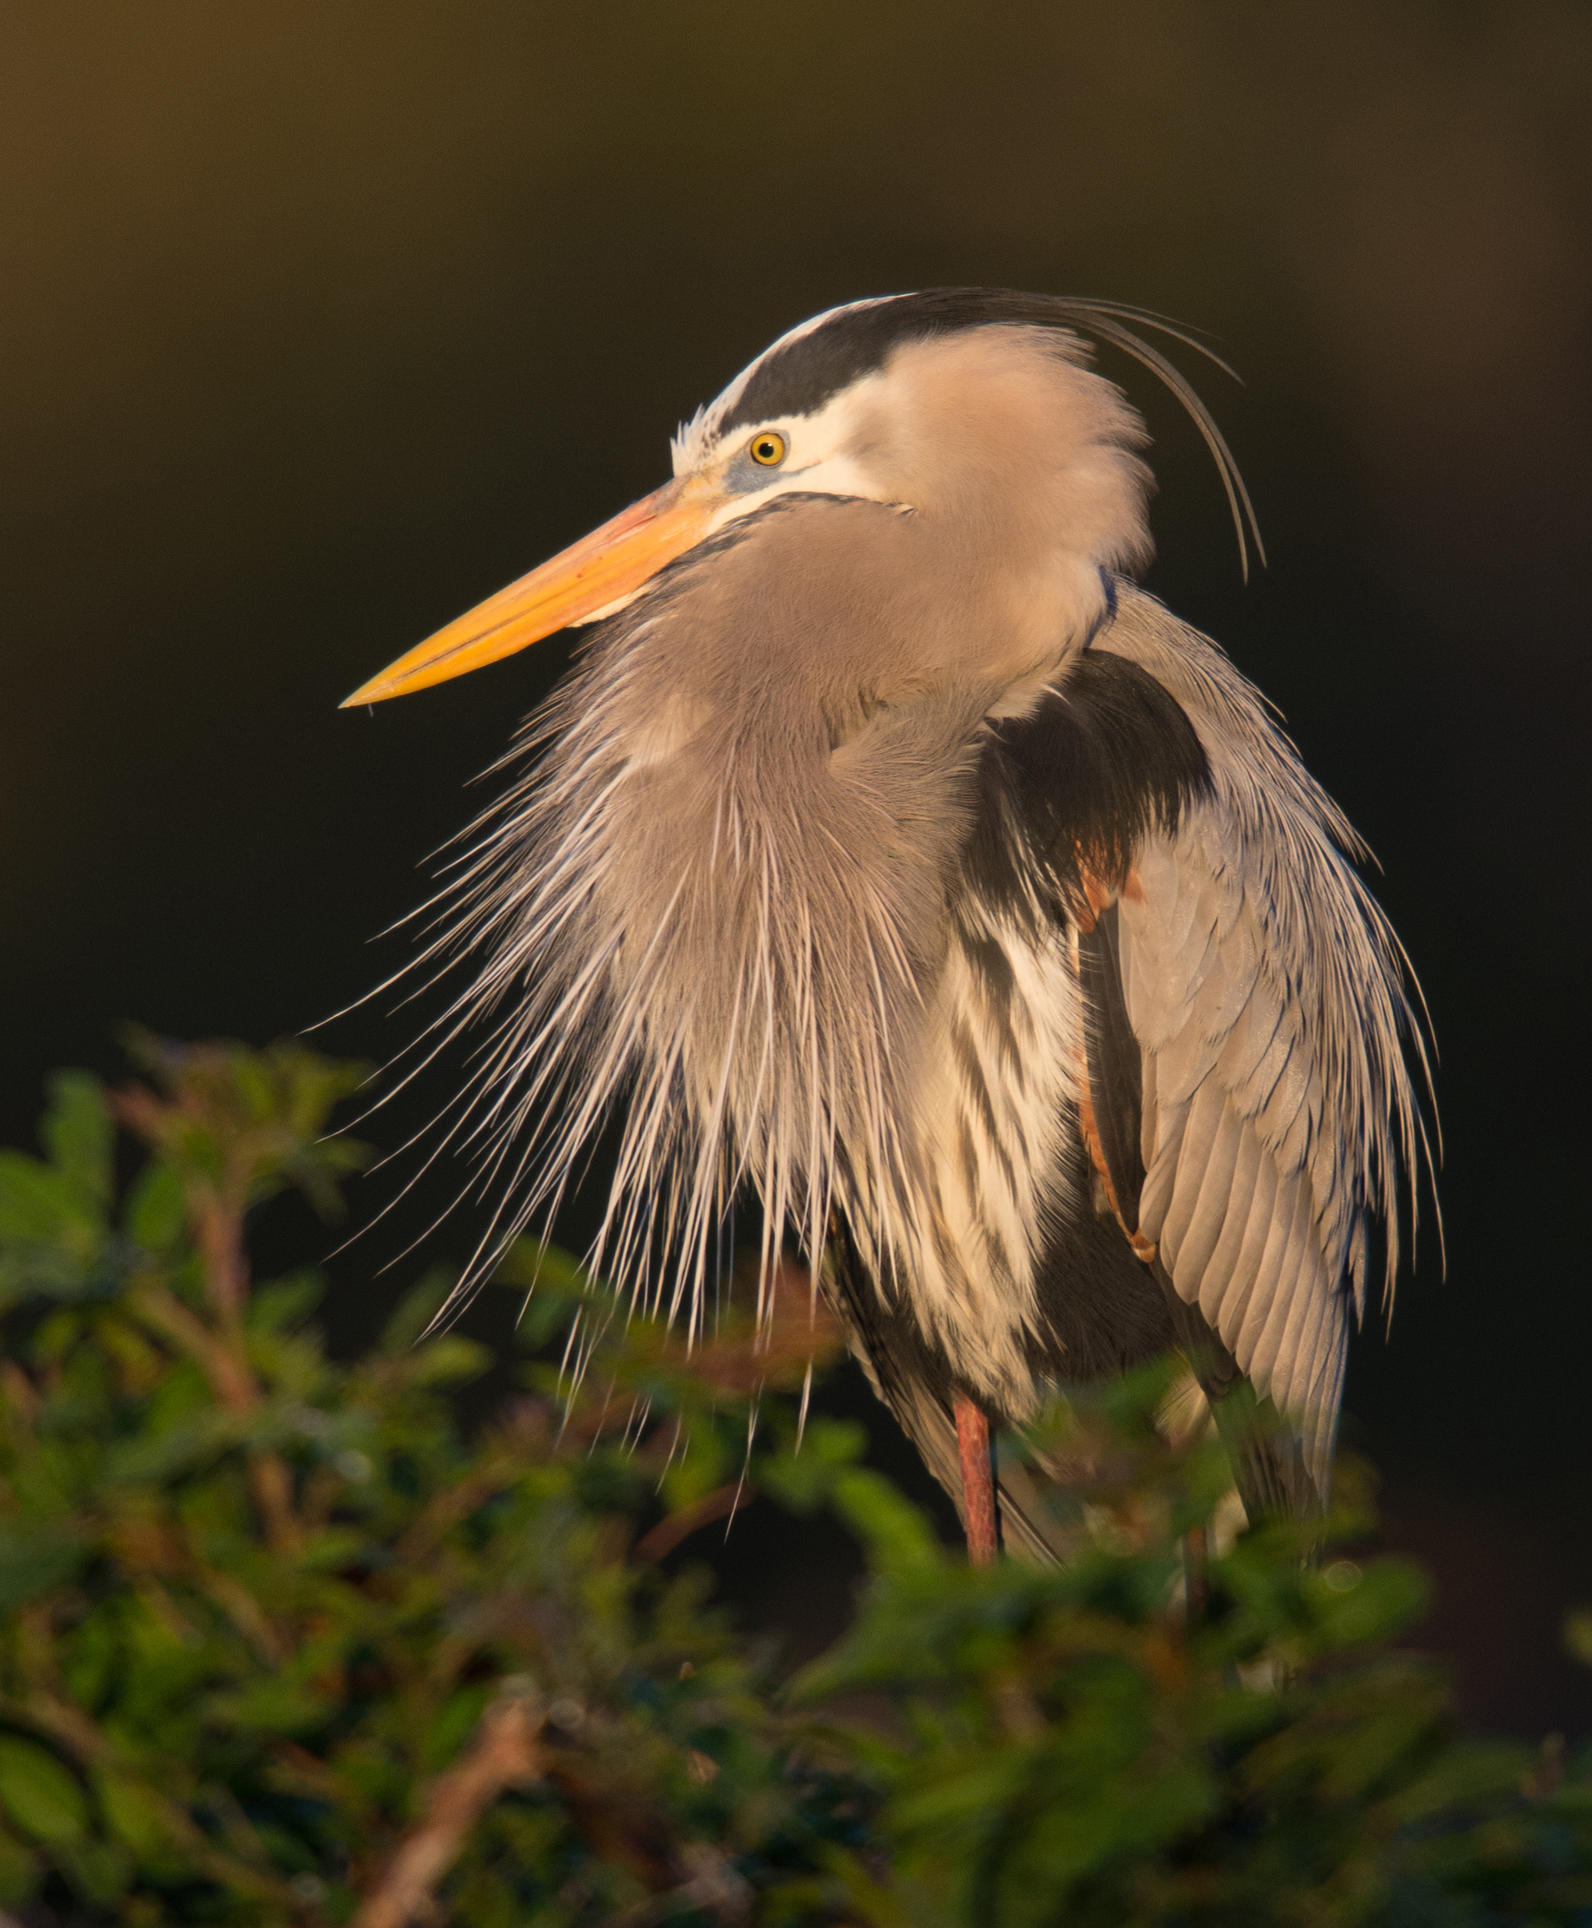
586, 579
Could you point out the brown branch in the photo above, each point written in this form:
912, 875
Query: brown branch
225, 1364
20, 1392
216, 1210
661, 1540
272, 1486
230, 1378
445, 1510
217, 1220
244, 1611
503, 1754
522, 1438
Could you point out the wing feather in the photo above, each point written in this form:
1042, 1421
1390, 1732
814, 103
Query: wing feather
1289, 1220
1230, 1275
1264, 992
1254, 1034
1211, 1205
1295, 1267
1207, 1142
1161, 1176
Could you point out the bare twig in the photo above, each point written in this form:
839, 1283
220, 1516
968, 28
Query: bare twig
503, 1754
223, 1359
216, 1211
497, 1470
218, 1232
230, 1378
217, 1219
663, 1538
1547, 1774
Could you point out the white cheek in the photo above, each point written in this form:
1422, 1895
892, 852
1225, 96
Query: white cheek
736, 506
837, 475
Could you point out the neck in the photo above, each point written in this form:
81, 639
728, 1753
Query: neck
723, 893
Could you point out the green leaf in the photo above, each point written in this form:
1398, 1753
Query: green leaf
156, 1209
79, 1137
447, 1361
415, 1311
271, 1705
1059, 1742
39, 1793
1383, 1599
20, 1871
253, 1079
805, 1478
134, 1812
38, 1206
151, 1457
282, 1304
34, 1560
535, 1266
98, 1869
896, 1534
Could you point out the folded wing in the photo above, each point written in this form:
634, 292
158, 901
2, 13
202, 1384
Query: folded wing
1249, 1044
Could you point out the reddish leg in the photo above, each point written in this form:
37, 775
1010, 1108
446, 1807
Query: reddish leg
978, 1487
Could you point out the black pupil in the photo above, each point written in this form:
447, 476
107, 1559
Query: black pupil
766, 448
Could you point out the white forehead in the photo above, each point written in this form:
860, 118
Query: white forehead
695, 440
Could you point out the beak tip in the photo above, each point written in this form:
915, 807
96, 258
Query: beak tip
367, 693
592, 577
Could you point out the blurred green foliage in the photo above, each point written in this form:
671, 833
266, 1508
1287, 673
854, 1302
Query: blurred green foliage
284, 1644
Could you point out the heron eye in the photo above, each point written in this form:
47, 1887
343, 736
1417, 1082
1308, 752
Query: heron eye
768, 448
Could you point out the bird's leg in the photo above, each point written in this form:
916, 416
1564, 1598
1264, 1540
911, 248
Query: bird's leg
978, 1484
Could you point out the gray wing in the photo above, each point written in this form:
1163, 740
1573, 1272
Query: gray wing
1264, 994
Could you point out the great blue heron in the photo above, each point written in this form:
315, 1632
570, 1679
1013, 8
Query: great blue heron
891, 854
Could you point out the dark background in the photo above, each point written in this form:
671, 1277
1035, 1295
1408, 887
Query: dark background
321, 322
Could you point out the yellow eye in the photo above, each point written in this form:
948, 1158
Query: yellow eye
768, 448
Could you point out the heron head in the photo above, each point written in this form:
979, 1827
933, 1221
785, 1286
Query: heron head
973, 411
